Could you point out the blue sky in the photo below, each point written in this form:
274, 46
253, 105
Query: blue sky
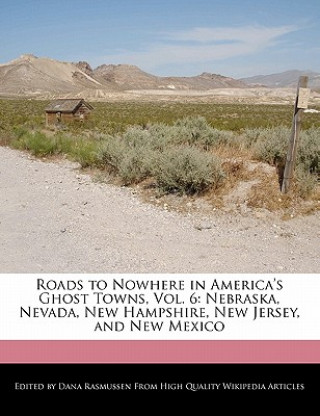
235, 38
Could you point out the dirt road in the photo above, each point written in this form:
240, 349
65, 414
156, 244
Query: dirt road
54, 219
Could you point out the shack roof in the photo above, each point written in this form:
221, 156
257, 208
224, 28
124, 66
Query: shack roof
66, 105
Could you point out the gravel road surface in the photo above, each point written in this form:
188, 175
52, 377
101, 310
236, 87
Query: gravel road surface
54, 219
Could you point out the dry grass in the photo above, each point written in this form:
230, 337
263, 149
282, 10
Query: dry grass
235, 172
267, 194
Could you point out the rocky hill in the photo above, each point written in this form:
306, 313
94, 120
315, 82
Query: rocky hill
29, 75
131, 77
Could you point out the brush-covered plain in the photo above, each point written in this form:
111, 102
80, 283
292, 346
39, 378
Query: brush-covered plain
185, 149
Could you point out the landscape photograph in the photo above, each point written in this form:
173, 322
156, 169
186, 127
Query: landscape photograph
159, 137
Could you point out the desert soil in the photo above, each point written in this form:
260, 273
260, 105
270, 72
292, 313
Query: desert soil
54, 219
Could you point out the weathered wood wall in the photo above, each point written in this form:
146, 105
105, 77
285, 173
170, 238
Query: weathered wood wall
82, 114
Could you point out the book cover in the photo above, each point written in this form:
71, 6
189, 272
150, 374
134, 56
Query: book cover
159, 182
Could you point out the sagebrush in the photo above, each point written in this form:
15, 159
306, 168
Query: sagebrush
178, 148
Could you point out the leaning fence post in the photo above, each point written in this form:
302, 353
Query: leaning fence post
301, 103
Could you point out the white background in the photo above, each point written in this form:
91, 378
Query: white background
300, 291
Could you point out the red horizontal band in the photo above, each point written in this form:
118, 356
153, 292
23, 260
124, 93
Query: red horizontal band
160, 351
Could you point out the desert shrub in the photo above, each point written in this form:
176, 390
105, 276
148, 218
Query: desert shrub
251, 136
79, 149
224, 137
37, 143
306, 182
272, 144
136, 137
196, 131
186, 170
211, 138
19, 131
193, 131
130, 155
309, 151
156, 152
160, 136
84, 152
64, 144
135, 165
110, 153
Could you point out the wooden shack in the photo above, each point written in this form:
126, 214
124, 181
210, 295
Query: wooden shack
64, 111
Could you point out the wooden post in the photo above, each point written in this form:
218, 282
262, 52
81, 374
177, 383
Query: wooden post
300, 104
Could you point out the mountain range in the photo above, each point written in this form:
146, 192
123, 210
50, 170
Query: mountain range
29, 75
285, 79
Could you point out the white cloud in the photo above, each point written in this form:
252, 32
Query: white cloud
245, 34
202, 45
